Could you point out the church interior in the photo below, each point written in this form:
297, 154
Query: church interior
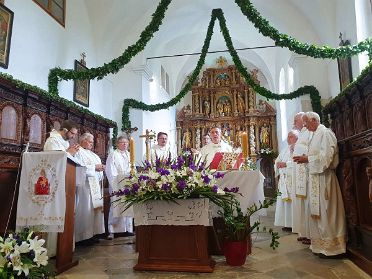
102, 65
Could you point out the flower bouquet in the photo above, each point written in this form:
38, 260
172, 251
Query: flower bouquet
169, 180
22, 255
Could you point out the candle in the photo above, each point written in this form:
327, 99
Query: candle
131, 151
245, 144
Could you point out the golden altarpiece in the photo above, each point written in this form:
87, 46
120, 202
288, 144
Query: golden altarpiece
222, 98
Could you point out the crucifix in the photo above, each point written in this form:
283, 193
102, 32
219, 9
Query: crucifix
149, 135
82, 60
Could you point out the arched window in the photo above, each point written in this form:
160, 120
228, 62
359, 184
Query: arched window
363, 17
9, 123
282, 105
35, 129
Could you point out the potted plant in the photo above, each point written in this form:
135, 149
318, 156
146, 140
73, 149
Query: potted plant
238, 230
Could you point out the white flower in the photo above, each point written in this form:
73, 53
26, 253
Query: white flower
16, 262
24, 248
7, 246
41, 259
36, 245
220, 191
153, 174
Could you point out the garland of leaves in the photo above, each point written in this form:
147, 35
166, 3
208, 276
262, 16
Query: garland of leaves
292, 44
55, 98
217, 13
116, 64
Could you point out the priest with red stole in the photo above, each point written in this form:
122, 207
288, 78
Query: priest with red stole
216, 145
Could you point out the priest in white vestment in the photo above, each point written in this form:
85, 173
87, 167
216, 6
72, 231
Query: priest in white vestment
283, 169
59, 140
89, 217
300, 216
327, 215
160, 150
117, 168
216, 145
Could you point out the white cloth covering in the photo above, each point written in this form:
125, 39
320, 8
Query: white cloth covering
117, 168
283, 210
208, 151
300, 215
89, 221
328, 230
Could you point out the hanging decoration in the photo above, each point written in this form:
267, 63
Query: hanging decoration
294, 45
218, 14
58, 74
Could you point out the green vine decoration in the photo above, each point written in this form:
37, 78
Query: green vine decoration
292, 44
217, 13
58, 74
53, 98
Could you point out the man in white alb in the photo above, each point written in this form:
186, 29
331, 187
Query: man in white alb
300, 223
117, 168
160, 150
327, 214
89, 218
283, 169
216, 145
59, 140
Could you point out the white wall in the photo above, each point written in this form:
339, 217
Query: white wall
40, 43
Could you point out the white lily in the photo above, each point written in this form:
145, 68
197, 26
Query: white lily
23, 248
41, 259
36, 245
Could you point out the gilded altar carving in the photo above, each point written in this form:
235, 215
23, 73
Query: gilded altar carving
222, 98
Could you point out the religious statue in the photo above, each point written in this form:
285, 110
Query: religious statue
220, 108
241, 104
265, 136
186, 139
207, 106
187, 110
227, 107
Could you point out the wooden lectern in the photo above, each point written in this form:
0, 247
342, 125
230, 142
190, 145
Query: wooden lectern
65, 241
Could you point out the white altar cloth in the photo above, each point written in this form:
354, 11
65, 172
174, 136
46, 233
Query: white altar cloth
250, 185
183, 213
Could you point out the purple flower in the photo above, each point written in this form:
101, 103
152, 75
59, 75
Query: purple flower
192, 166
206, 179
201, 166
163, 171
231, 190
215, 188
135, 187
143, 177
166, 187
181, 185
180, 161
218, 175
126, 192
175, 166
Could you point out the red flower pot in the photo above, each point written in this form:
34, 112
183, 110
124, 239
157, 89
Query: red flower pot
235, 252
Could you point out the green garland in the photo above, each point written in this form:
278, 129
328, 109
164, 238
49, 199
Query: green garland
217, 13
116, 64
284, 40
53, 98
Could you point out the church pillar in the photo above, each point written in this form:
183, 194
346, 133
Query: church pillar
273, 134
235, 103
246, 100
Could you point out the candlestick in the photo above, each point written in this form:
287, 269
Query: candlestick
244, 144
131, 154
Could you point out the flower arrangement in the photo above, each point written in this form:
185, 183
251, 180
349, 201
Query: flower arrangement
268, 152
22, 255
182, 178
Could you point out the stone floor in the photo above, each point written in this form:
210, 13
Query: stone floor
116, 258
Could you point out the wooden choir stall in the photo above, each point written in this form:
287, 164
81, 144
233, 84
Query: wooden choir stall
28, 117
351, 120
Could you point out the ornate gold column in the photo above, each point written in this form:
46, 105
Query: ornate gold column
273, 134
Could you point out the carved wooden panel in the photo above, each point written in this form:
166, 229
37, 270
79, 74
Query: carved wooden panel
11, 122
35, 128
348, 190
100, 144
368, 105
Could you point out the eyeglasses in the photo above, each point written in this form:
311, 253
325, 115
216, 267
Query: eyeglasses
73, 132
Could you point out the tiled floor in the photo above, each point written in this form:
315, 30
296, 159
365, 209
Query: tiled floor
116, 258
